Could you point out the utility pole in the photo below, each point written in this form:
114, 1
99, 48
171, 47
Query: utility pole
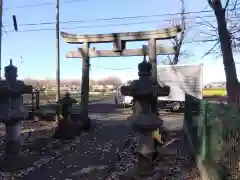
57, 52
1, 12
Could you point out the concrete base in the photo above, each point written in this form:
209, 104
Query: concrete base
82, 122
85, 124
144, 167
65, 130
12, 141
30, 116
19, 163
134, 175
12, 150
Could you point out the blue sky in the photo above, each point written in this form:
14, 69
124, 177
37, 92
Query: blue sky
38, 48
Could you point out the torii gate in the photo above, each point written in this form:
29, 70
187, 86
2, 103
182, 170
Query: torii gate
119, 49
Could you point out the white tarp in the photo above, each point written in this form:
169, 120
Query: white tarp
181, 79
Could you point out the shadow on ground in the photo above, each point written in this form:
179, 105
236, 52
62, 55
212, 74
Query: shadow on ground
38, 146
90, 157
174, 162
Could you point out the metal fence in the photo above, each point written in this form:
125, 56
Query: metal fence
47, 97
213, 131
44, 98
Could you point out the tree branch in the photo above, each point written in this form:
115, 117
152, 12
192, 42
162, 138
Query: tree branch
234, 6
234, 26
210, 25
226, 5
204, 40
209, 34
178, 41
210, 50
211, 4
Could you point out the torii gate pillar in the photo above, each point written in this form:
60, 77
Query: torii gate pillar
85, 87
153, 60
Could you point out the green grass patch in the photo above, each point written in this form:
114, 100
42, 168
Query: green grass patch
214, 92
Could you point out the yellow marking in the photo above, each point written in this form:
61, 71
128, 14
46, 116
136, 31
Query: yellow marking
157, 136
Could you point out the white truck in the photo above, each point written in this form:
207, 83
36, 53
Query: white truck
181, 79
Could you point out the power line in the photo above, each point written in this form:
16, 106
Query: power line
106, 20
131, 23
119, 18
111, 19
101, 25
91, 26
41, 4
113, 25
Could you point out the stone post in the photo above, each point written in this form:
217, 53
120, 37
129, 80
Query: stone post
145, 119
66, 129
37, 99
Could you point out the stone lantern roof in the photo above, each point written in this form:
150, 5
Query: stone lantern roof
11, 69
144, 66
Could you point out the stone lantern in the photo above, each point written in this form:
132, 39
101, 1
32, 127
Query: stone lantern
12, 110
65, 129
145, 119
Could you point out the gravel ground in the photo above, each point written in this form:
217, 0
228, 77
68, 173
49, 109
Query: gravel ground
108, 157
174, 162
89, 158
106, 152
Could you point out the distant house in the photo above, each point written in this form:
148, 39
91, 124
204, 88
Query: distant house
110, 87
102, 87
98, 87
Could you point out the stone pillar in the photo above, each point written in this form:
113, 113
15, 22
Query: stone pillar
11, 116
15, 114
12, 141
145, 151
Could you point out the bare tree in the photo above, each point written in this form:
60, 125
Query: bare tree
110, 81
178, 41
226, 41
32, 82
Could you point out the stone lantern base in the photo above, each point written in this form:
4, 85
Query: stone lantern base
12, 149
81, 123
145, 124
12, 138
16, 164
12, 159
144, 167
66, 130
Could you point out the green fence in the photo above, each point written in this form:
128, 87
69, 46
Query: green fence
213, 130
